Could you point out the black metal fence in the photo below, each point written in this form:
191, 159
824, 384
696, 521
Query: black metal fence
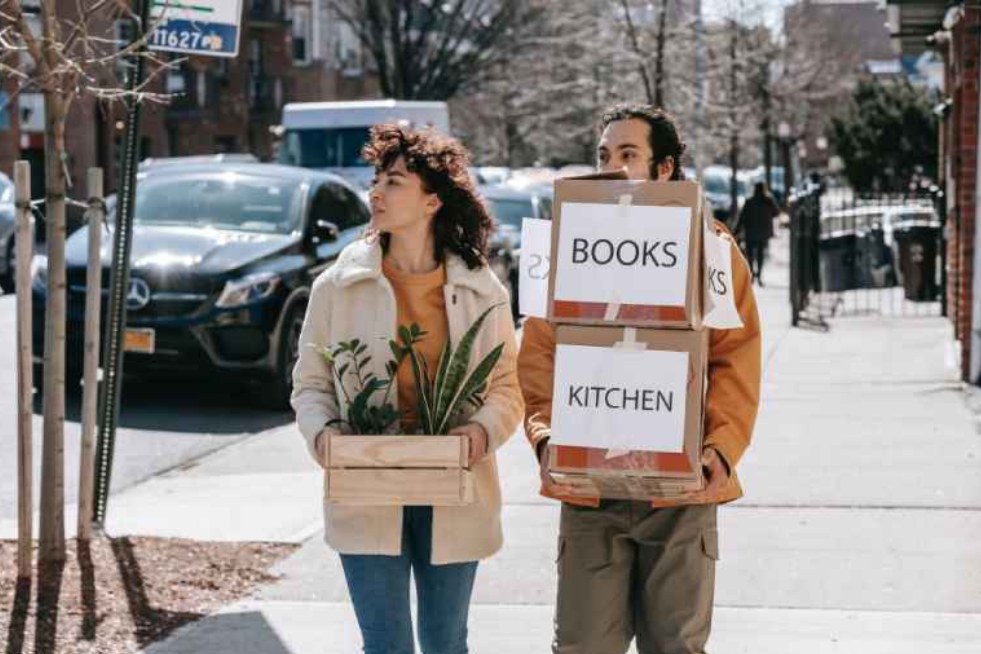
867, 255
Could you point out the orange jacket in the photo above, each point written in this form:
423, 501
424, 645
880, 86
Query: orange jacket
733, 394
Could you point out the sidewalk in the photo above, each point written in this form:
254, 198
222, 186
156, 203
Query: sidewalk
859, 532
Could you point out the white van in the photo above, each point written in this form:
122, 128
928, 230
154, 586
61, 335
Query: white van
330, 135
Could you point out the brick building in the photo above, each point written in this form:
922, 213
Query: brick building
954, 30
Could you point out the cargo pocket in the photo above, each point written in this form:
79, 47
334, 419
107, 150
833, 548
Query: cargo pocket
710, 543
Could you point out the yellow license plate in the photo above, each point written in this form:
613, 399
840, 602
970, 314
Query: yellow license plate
139, 340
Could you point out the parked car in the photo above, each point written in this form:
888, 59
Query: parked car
7, 228
223, 258
509, 206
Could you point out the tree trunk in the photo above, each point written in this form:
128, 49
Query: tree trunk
662, 37
93, 300
52, 543
25, 372
733, 125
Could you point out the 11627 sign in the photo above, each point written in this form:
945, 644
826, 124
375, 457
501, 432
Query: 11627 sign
202, 27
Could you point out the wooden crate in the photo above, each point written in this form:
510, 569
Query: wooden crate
398, 471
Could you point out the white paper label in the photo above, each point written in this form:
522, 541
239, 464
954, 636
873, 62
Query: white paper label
536, 247
720, 301
619, 399
623, 254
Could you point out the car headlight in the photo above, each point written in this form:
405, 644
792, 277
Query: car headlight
248, 289
39, 272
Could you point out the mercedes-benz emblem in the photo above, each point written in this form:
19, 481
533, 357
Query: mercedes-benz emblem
138, 295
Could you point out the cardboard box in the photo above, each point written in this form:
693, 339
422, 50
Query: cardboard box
398, 470
626, 252
627, 410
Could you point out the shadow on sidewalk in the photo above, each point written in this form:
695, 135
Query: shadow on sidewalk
248, 631
18, 617
150, 622
48, 594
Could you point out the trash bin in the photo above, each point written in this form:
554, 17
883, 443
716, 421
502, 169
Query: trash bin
838, 256
874, 260
918, 243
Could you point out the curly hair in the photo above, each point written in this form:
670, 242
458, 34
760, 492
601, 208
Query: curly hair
664, 139
462, 224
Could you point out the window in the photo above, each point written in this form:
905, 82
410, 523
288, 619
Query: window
336, 204
176, 80
301, 35
348, 51
225, 144
325, 148
222, 200
202, 88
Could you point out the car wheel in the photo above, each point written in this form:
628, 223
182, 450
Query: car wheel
288, 353
7, 281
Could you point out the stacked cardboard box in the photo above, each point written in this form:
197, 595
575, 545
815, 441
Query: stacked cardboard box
625, 294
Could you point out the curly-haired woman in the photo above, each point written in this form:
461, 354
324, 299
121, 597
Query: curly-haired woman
423, 260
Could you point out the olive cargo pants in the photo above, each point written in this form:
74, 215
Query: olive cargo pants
628, 570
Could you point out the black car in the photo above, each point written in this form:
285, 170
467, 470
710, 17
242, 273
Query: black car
223, 258
509, 206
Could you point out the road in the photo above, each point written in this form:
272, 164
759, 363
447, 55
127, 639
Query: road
163, 424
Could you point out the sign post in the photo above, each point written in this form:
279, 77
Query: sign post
201, 27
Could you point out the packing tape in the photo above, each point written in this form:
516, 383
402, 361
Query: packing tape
613, 307
629, 342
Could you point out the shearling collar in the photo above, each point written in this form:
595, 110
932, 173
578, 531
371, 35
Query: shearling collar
362, 260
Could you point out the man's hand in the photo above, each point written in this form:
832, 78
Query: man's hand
716, 474
478, 440
548, 483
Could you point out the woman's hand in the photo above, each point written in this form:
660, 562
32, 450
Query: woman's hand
478, 440
321, 447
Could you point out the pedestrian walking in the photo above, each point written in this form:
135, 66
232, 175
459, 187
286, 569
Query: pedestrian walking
646, 569
423, 261
755, 227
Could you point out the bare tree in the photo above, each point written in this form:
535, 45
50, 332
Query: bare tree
431, 50
69, 50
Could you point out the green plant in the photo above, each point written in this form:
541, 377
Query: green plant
363, 417
440, 397
443, 395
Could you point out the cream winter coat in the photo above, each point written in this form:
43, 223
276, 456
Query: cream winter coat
353, 299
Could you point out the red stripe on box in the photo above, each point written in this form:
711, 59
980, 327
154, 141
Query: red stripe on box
591, 458
597, 311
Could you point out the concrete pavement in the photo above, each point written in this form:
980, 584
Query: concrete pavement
859, 531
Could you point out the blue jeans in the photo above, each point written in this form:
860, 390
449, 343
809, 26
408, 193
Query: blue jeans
379, 588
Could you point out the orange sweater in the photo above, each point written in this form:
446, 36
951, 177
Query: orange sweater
733, 395
419, 299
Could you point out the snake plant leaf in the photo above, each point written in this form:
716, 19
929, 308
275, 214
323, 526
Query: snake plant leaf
475, 381
456, 372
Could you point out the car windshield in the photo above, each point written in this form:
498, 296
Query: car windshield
222, 200
6, 190
324, 148
511, 211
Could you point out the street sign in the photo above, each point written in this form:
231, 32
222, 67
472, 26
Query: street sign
201, 27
